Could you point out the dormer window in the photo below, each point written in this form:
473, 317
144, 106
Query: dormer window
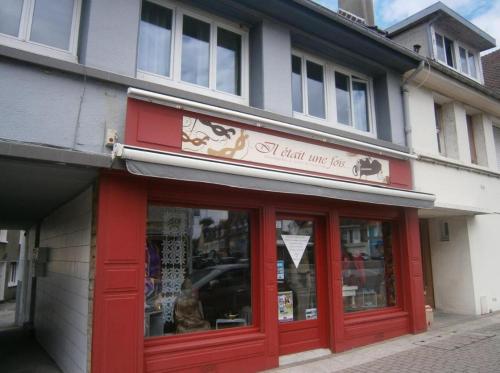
467, 62
456, 55
445, 50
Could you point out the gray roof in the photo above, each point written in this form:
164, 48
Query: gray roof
459, 25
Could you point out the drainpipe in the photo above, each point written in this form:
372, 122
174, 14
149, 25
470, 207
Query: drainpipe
406, 110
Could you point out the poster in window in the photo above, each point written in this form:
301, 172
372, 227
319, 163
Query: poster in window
280, 264
311, 313
285, 306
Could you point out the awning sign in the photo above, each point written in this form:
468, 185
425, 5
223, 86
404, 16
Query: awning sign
296, 245
238, 144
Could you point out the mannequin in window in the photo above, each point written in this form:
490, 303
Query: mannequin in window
188, 314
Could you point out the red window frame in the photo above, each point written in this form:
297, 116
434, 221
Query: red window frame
255, 263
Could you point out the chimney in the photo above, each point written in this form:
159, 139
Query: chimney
360, 8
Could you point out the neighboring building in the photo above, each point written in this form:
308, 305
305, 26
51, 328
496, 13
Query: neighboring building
454, 129
260, 162
9, 260
491, 70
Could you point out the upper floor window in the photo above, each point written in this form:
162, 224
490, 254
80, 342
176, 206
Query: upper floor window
438, 113
496, 137
328, 93
467, 62
186, 48
47, 27
472, 140
456, 55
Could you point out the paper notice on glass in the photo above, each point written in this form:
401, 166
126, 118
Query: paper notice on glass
296, 245
311, 313
285, 306
280, 264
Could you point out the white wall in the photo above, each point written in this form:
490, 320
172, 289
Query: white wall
62, 296
485, 259
451, 267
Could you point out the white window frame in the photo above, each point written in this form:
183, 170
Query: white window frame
476, 58
304, 115
22, 40
329, 70
174, 78
12, 270
456, 51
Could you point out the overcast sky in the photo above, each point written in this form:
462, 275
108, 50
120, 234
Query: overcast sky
483, 13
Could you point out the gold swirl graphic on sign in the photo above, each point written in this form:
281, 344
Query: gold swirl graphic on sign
195, 141
230, 152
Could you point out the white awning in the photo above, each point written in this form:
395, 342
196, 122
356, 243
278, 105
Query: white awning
175, 166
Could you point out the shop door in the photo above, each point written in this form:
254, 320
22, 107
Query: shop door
301, 278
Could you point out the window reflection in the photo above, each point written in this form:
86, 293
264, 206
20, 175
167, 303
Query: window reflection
297, 84
155, 39
360, 105
315, 90
51, 23
197, 270
296, 270
228, 61
10, 16
368, 274
195, 51
343, 97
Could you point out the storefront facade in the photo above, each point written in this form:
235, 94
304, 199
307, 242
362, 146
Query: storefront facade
233, 244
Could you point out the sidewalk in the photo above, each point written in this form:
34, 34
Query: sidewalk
454, 344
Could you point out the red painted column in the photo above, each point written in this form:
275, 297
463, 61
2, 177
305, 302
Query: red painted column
412, 272
335, 283
118, 318
269, 307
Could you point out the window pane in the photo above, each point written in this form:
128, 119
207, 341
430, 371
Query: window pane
297, 84
472, 65
440, 48
198, 273
368, 273
52, 22
343, 98
438, 114
472, 140
296, 276
315, 90
360, 105
450, 53
195, 51
155, 38
228, 61
10, 16
463, 60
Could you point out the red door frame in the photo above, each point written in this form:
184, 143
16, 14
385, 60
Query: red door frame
118, 344
299, 333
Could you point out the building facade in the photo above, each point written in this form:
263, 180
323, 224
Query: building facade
207, 186
454, 127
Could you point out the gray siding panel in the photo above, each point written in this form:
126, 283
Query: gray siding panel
111, 36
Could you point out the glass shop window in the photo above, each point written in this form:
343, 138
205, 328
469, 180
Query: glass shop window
198, 274
368, 272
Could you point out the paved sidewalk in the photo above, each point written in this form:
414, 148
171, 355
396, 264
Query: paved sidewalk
457, 344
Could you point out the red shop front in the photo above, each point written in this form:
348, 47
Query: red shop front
226, 245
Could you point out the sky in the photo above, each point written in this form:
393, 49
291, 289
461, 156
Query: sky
483, 13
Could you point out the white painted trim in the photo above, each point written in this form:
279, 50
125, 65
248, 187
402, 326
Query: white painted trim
329, 70
198, 163
261, 122
174, 79
23, 42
